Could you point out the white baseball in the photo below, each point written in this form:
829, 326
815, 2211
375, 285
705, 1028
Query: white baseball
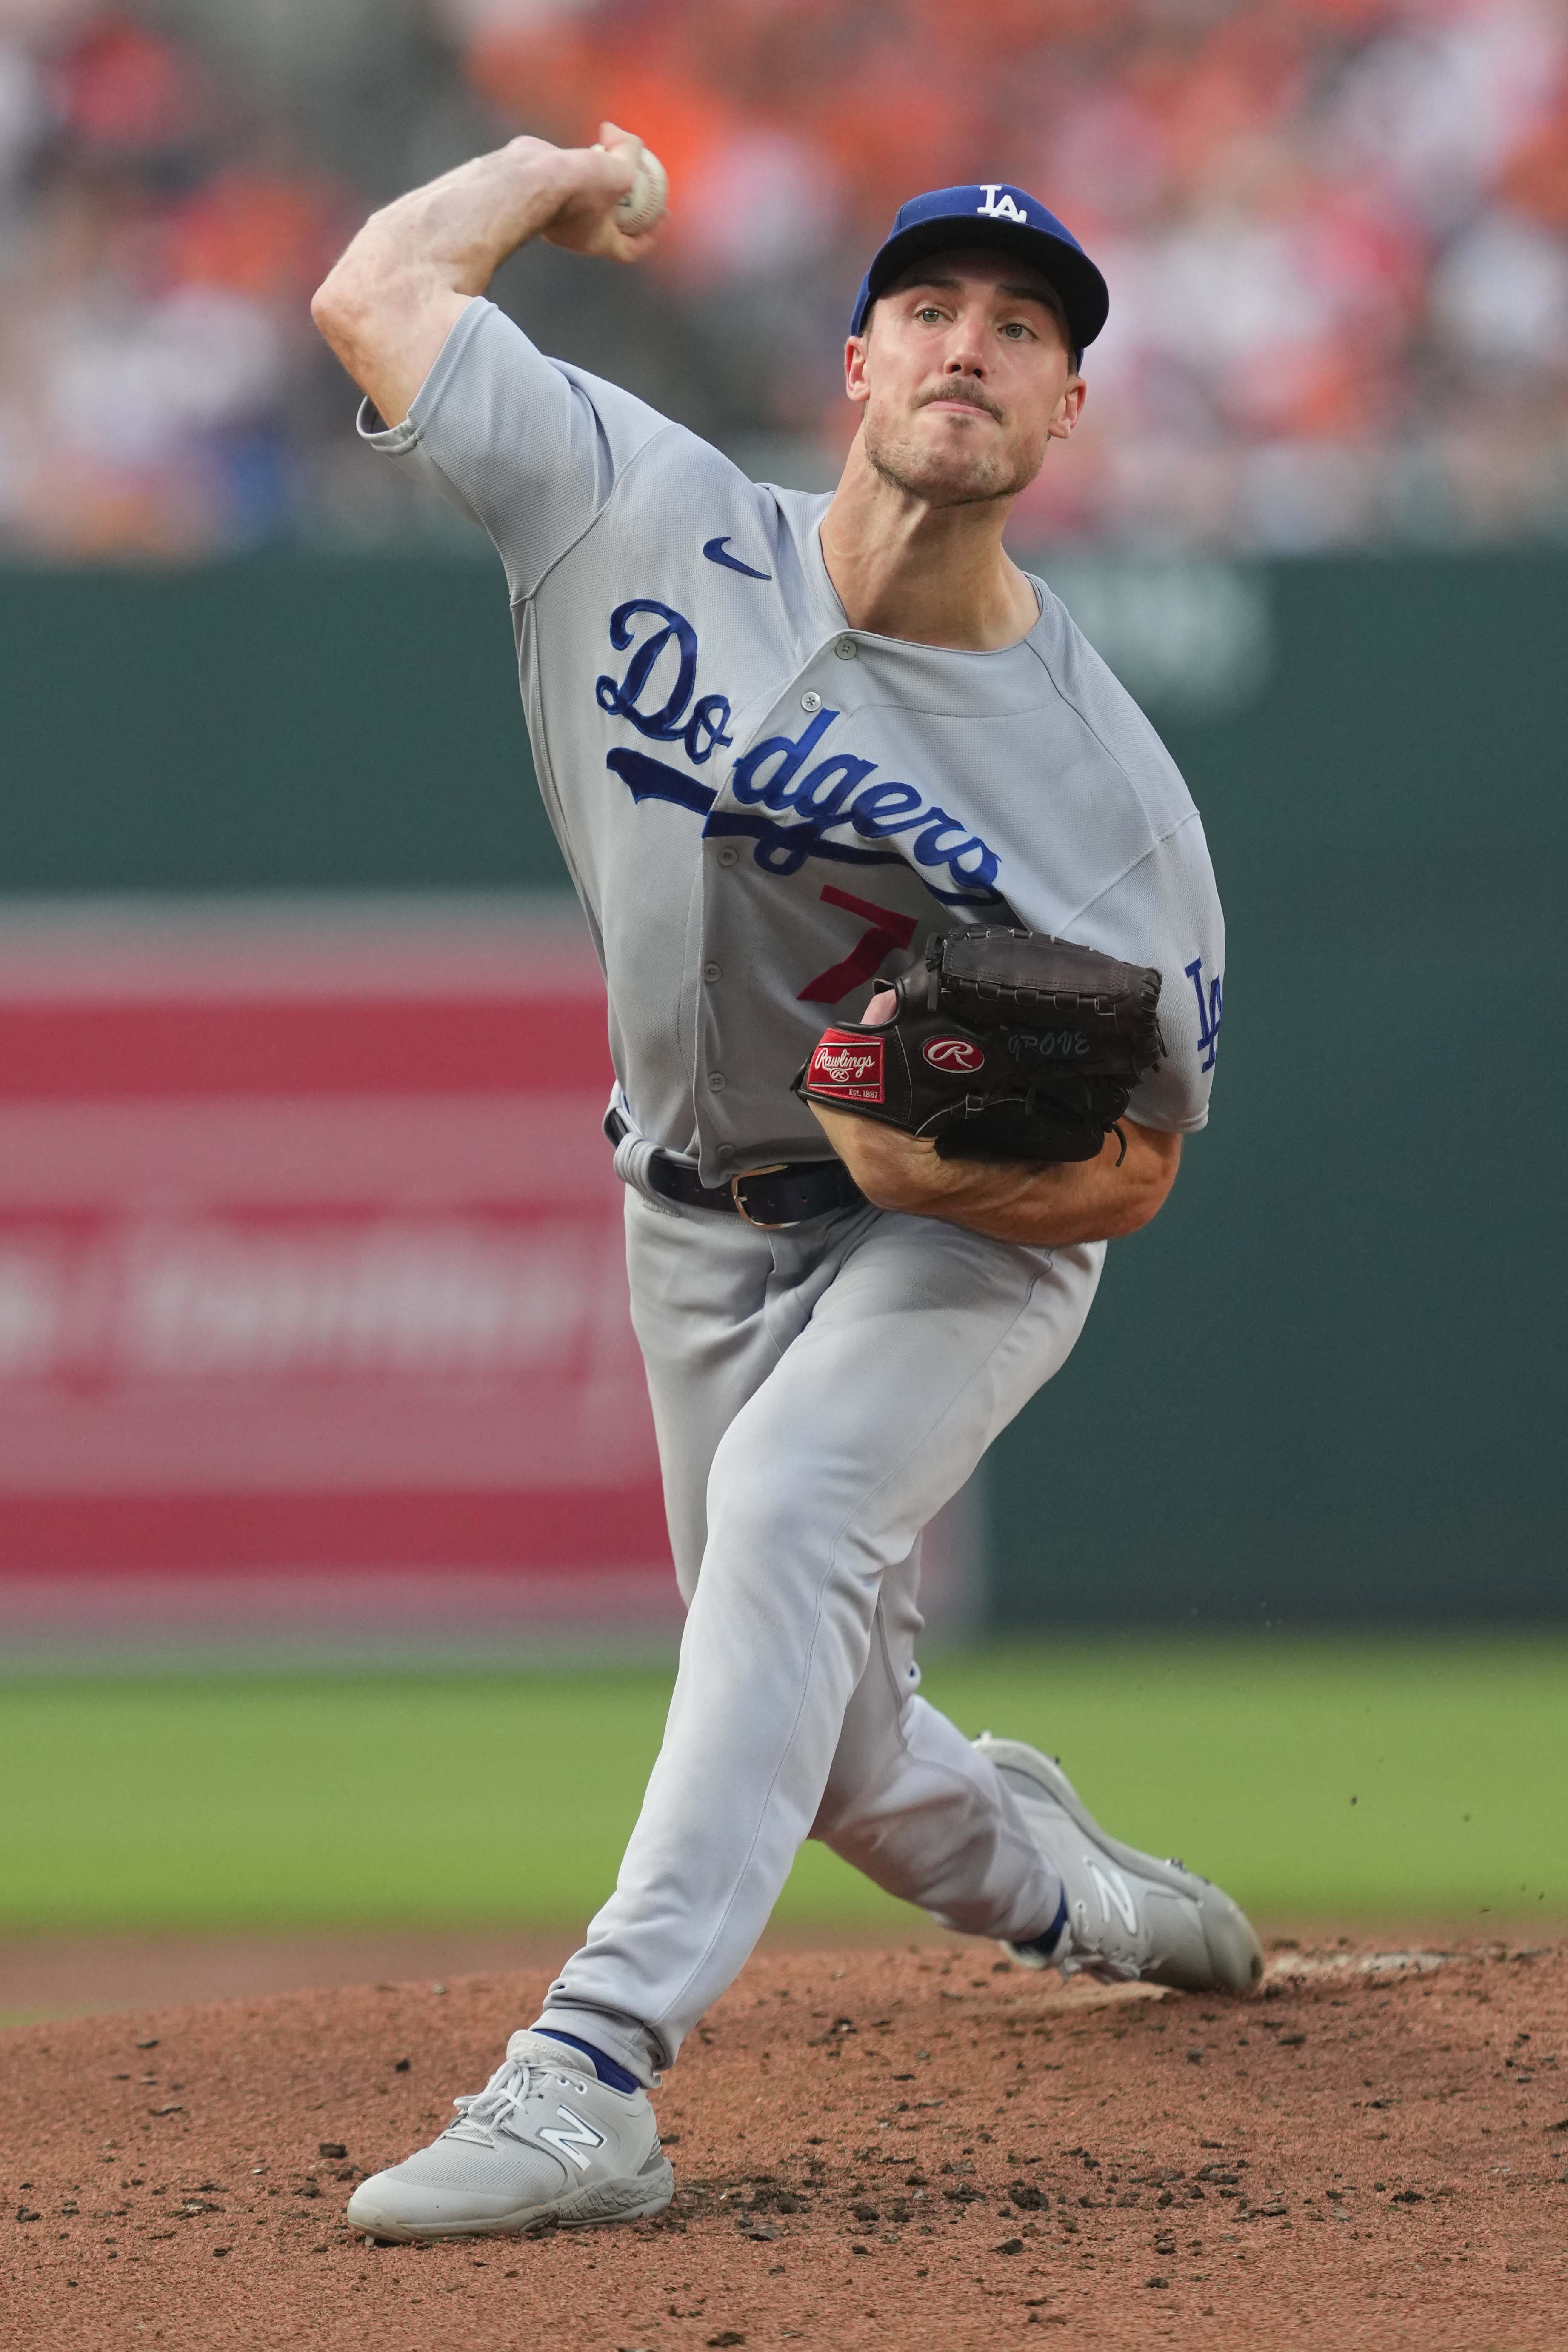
645, 199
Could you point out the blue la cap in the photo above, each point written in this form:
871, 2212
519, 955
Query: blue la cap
991, 212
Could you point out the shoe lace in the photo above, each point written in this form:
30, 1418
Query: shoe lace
481, 2113
1102, 1971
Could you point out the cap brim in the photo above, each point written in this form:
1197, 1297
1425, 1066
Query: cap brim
1085, 295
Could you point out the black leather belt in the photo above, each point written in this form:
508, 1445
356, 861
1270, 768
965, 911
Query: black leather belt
786, 1193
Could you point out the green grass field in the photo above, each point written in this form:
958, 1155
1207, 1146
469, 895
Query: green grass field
1347, 1780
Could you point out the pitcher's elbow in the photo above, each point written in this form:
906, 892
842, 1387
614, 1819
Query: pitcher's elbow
1140, 1207
337, 306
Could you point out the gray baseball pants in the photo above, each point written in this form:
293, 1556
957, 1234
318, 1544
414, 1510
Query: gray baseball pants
818, 1395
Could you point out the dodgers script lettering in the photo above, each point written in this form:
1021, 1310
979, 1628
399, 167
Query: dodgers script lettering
790, 804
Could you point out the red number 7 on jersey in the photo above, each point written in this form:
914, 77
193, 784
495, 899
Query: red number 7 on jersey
889, 931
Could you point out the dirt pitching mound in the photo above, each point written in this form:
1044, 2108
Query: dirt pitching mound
910, 2150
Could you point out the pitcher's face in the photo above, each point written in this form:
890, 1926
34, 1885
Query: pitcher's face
966, 378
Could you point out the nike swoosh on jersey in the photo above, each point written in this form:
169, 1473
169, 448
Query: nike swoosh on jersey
717, 552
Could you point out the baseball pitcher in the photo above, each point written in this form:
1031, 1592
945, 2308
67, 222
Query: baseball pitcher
913, 957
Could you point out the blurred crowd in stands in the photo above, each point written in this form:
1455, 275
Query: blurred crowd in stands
1335, 232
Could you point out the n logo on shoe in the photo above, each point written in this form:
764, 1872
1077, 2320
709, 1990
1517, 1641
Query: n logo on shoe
1114, 1894
581, 2135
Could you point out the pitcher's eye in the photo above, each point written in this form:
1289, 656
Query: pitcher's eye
927, 311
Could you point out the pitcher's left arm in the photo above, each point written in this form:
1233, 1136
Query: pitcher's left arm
1011, 1199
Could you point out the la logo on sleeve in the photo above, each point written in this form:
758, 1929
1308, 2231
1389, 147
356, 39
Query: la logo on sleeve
1211, 1011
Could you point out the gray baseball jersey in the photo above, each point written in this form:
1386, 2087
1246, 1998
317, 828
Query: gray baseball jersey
761, 806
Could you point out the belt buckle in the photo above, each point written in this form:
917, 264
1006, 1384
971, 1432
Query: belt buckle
760, 1224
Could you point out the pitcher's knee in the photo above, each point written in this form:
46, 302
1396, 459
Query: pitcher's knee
781, 1531
865, 1768
847, 1812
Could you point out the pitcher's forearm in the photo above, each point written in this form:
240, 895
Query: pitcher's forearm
454, 234
1051, 1207
1080, 1201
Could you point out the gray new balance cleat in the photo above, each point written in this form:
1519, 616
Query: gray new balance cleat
544, 2141
1126, 1915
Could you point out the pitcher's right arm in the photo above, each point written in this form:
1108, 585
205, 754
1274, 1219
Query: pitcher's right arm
387, 306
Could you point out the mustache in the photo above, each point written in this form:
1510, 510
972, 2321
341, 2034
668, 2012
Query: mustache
968, 395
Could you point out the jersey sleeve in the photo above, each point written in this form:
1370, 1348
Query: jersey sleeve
1165, 911
526, 446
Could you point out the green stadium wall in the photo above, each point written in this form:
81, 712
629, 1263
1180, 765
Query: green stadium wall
1326, 1385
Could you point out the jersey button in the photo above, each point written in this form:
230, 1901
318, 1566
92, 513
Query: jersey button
811, 699
710, 972
846, 649
717, 1082
727, 856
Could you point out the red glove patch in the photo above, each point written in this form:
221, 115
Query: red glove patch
847, 1067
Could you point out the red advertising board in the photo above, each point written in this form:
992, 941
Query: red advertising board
312, 1294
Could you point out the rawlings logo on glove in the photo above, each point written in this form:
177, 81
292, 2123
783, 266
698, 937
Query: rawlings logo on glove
1003, 1045
847, 1068
960, 1053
